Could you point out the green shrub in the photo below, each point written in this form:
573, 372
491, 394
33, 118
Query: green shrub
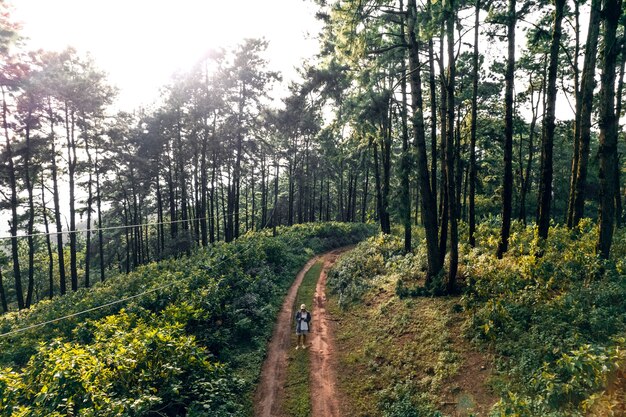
192, 345
402, 400
352, 274
552, 319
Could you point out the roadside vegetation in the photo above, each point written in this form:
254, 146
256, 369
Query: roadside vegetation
192, 345
528, 336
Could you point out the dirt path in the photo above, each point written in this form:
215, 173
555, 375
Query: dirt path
269, 394
324, 399
272, 383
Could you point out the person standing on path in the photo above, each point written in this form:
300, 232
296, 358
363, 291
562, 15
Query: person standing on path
303, 321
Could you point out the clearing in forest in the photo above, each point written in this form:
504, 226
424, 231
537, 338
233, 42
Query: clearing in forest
381, 355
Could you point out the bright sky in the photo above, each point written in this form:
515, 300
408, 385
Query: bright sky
141, 43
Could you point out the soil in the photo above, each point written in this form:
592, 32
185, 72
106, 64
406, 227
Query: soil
464, 394
271, 386
324, 396
468, 393
323, 383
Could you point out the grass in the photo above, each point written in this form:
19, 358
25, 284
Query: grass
391, 350
297, 393
402, 357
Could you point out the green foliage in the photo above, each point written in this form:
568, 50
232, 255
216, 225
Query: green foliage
552, 319
354, 272
403, 400
130, 368
395, 354
192, 346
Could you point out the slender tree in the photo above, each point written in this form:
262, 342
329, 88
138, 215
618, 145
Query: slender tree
608, 127
507, 179
427, 200
586, 107
472, 166
547, 137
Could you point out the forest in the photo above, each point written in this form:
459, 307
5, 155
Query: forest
479, 142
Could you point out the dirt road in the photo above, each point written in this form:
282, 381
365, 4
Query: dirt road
324, 399
269, 394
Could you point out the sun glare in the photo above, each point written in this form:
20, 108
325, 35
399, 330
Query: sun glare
141, 43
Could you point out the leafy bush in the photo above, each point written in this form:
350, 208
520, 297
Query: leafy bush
402, 400
131, 368
552, 319
352, 274
191, 345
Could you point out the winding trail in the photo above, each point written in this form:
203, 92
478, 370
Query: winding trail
324, 398
323, 386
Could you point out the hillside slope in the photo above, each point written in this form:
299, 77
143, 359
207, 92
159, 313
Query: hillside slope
191, 344
529, 336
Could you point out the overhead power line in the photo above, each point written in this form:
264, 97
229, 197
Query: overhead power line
130, 226
124, 299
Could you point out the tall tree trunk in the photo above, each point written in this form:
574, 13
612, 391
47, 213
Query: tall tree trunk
433, 106
386, 162
547, 138
472, 167
89, 210
443, 194
427, 200
252, 195
171, 188
214, 213
578, 104
450, 173
354, 178
71, 168
377, 177
13, 201
526, 172
301, 191
3, 296
405, 163
227, 210
328, 207
365, 188
443, 210
313, 196
320, 200
55, 197
160, 244
274, 215
507, 182
126, 216
264, 192
204, 190
618, 116
608, 128
30, 183
182, 175
99, 207
291, 191
48, 242
133, 208
586, 108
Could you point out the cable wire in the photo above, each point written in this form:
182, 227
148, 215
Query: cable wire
96, 229
124, 299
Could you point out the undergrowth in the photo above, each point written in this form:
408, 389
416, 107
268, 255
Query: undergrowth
191, 348
394, 354
556, 323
